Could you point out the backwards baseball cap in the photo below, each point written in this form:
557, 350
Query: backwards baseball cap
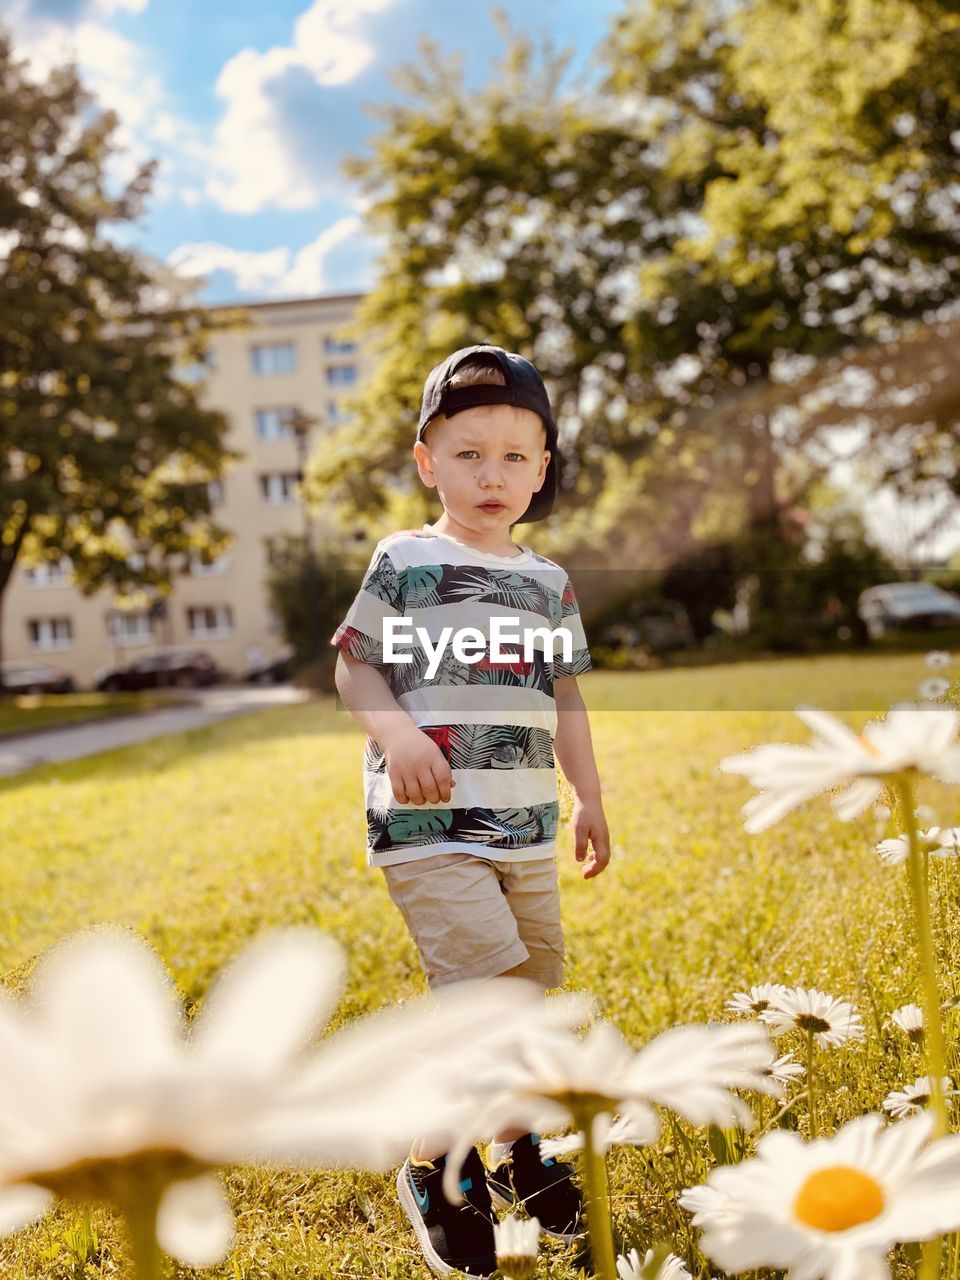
524, 388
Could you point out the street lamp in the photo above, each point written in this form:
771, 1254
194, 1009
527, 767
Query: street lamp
301, 425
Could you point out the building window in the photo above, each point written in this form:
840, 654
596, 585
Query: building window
273, 424
50, 633
129, 627
198, 569
210, 621
273, 357
279, 487
214, 493
51, 573
342, 375
338, 347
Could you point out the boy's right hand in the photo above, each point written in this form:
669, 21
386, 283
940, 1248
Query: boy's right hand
417, 768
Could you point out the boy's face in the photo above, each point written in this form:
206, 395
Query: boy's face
485, 464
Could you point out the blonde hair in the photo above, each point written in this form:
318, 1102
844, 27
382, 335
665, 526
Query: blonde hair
478, 373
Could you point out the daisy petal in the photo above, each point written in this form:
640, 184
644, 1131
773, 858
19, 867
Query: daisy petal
105, 999
21, 1205
195, 1222
268, 1003
857, 797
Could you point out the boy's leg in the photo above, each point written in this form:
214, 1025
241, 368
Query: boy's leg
545, 1187
457, 914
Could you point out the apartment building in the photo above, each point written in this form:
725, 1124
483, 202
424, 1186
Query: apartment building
293, 358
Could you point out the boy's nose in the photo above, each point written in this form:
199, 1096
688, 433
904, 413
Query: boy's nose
490, 476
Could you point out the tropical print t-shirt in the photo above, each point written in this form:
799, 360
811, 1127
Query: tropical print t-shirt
494, 720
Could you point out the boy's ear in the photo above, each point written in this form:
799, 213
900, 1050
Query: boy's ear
542, 473
424, 466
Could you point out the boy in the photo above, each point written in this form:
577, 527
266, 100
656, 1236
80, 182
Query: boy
459, 770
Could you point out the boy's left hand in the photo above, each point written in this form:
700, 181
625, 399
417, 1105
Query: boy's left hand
590, 828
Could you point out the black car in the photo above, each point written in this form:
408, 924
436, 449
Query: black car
35, 677
163, 669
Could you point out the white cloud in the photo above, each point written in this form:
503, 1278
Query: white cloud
272, 272
119, 73
267, 94
107, 7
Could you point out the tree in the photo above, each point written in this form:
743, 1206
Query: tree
105, 450
811, 148
758, 187
509, 217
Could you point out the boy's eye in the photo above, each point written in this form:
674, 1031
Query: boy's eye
465, 452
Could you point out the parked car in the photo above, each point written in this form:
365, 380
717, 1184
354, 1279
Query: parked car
162, 669
275, 670
35, 677
894, 606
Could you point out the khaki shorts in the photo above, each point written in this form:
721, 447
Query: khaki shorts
473, 917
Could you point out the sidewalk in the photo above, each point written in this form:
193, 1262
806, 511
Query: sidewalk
26, 751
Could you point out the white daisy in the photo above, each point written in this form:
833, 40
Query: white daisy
516, 1243
621, 1131
914, 1097
923, 738
833, 1208
103, 1096
909, 1018
937, 659
933, 840
934, 688
629, 1267
785, 1070
556, 1077
806, 1009
756, 999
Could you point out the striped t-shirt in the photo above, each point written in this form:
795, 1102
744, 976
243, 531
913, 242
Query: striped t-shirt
494, 721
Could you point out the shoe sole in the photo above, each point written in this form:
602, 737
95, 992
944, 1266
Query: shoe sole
505, 1204
412, 1210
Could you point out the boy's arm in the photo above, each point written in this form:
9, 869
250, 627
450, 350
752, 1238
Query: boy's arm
573, 747
417, 768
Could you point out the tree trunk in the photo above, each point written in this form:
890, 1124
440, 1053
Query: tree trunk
762, 494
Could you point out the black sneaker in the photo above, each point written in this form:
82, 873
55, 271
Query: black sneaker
545, 1188
452, 1237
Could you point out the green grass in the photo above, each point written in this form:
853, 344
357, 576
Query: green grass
199, 841
27, 713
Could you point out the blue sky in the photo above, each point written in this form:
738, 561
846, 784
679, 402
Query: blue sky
251, 106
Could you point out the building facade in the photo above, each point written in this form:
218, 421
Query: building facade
291, 359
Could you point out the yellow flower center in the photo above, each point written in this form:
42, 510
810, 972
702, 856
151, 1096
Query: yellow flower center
838, 1198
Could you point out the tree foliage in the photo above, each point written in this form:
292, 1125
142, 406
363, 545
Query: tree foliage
758, 192
105, 449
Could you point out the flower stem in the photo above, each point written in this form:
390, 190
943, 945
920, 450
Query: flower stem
140, 1215
933, 1041
811, 1087
596, 1194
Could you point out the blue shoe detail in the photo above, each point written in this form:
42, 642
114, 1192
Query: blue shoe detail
422, 1197
466, 1184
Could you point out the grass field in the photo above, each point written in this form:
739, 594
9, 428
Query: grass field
27, 713
198, 841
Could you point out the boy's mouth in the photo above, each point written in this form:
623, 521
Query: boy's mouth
492, 505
